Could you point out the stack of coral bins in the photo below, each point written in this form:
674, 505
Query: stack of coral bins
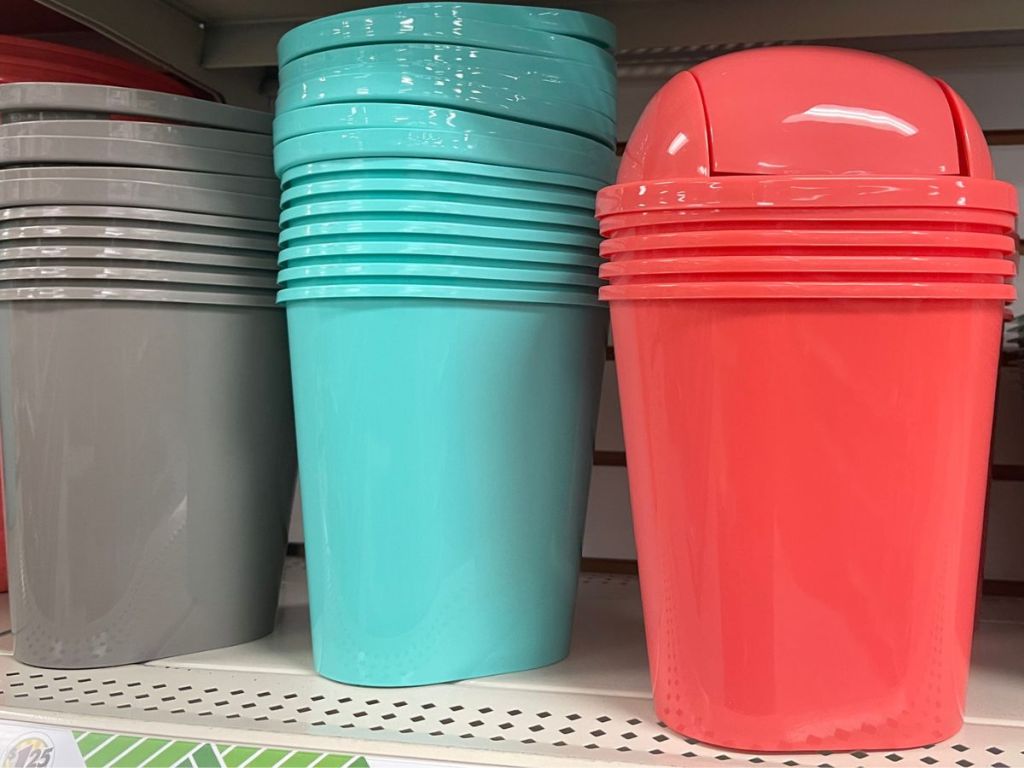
145, 400
439, 164
807, 476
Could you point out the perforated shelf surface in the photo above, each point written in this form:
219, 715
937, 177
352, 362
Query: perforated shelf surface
593, 708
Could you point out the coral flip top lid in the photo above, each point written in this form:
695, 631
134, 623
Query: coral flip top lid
800, 112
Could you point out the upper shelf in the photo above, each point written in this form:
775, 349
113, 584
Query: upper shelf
214, 42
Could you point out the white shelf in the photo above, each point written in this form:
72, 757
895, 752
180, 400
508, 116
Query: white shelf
593, 708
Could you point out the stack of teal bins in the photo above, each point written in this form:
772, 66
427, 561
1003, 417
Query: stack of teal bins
438, 165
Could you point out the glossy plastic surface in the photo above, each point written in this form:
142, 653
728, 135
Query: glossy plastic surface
187, 135
835, 242
213, 181
145, 194
130, 215
424, 486
808, 539
670, 139
410, 288
842, 289
84, 290
803, 110
485, 211
894, 265
807, 476
810, 192
56, 150
430, 251
501, 27
796, 110
112, 233
446, 231
163, 536
496, 94
933, 221
579, 83
156, 255
355, 116
441, 145
26, 60
419, 167
433, 186
396, 271
101, 99
176, 276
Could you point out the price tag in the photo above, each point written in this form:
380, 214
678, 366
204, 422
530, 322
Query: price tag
29, 746
23, 745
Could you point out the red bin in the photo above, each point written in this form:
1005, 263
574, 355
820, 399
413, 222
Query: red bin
23, 60
808, 266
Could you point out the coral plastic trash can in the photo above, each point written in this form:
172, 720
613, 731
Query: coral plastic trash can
807, 444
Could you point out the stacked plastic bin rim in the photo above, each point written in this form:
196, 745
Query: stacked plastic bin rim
444, 144
807, 478
438, 164
138, 243
112, 190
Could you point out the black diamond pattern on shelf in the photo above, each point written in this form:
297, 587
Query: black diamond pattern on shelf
605, 729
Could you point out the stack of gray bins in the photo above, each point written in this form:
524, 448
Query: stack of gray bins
145, 399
